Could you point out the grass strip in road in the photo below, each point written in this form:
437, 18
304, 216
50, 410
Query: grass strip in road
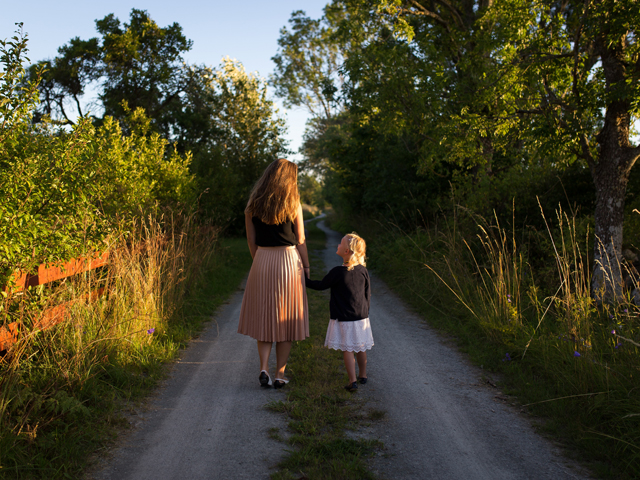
321, 412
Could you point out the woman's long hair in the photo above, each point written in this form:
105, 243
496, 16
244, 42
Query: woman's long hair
275, 198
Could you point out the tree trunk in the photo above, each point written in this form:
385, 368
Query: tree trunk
611, 172
611, 185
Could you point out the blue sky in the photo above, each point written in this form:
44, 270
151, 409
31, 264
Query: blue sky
247, 31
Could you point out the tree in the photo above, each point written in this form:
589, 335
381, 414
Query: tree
63, 189
142, 64
65, 78
307, 64
238, 133
138, 63
509, 81
580, 61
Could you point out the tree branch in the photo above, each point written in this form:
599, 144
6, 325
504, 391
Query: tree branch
64, 114
453, 10
427, 13
586, 151
75, 97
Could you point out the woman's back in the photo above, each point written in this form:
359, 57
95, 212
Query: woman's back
279, 235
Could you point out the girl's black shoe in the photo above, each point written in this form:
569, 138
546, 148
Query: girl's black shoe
352, 387
362, 380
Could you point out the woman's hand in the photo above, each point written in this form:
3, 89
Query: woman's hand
307, 272
251, 234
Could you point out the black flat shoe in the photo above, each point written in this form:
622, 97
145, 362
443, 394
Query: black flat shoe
352, 387
362, 380
280, 382
265, 379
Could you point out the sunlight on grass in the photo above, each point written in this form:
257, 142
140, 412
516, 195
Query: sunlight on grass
61, 388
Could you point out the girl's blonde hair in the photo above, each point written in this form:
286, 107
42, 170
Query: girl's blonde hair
275, 198
358, 248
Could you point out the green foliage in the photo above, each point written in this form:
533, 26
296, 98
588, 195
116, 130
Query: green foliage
308, 62
477, 93
138, 63
310, 190
135, 170
46, 178
242, 134
366, 179
63, 189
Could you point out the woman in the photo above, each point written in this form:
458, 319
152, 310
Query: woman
274, 305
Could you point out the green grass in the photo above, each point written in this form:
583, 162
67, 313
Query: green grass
319, 409
590, 402
52, 425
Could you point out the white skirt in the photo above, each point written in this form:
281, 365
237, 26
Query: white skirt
349, 336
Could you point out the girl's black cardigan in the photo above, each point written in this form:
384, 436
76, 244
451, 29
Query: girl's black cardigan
350, 292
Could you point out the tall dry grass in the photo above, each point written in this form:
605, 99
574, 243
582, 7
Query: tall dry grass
519, 301
52, 380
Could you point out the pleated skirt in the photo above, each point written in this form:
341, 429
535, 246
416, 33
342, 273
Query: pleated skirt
274, 305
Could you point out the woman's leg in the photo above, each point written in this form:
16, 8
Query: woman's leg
350, 365
282, 356
264, 350
362, 364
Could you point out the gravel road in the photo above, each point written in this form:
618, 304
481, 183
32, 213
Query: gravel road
443, 421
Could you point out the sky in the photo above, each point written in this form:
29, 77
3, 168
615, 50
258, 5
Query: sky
245, 30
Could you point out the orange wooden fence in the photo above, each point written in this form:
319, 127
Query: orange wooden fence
45, 274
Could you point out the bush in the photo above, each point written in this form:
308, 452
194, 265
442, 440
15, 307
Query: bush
63, 190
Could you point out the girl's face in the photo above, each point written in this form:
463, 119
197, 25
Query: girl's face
343, 249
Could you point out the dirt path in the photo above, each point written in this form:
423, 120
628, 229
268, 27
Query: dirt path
208, 421
443, 420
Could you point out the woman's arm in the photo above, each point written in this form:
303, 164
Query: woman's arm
251, 234
298, 229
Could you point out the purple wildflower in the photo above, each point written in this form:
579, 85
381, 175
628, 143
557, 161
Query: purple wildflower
576, 354
150, 331
619, 344
613, 332
507, 358
626, 311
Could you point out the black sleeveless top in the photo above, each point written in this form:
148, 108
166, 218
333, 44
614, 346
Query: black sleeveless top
281, 235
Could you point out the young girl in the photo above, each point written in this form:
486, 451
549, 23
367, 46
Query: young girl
349, 328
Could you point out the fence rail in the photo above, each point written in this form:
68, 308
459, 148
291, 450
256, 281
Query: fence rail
47, 274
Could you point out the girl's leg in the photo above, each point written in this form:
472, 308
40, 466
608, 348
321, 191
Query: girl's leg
264, 350
282, 356
362, 364
350, 365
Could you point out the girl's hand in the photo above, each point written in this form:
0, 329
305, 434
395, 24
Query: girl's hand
307, 272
